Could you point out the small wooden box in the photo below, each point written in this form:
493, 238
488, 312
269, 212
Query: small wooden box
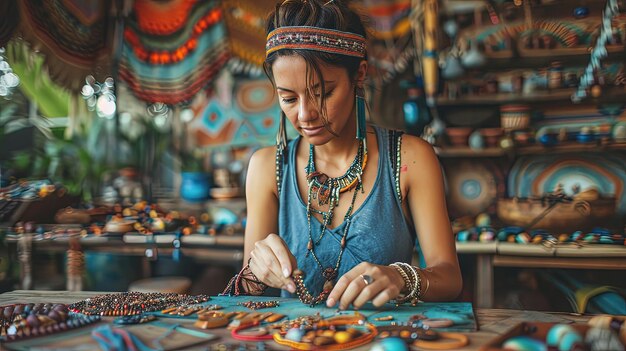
536, 330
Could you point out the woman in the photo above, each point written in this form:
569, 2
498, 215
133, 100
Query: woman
331, 212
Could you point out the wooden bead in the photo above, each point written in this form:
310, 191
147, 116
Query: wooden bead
323, 340
212, 322
342, 337
354, 332
275, 317
309, 337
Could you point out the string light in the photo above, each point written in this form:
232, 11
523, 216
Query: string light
159, 113
8, 79
100, 97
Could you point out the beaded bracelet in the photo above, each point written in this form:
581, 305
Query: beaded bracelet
405, 277
414, 285
253, 286
415, 292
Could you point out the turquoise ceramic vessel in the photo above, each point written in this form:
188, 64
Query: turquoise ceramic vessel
195, 186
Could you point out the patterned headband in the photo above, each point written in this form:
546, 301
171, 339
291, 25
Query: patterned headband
315, 39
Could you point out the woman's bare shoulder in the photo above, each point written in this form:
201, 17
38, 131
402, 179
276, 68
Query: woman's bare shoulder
262, 169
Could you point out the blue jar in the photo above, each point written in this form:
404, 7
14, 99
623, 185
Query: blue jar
195, 186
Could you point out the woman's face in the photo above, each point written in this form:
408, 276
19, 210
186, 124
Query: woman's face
303, 112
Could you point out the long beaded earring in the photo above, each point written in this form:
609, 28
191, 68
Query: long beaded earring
281, 136
360, 113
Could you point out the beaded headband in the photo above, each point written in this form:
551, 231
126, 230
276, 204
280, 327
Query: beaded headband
316, 39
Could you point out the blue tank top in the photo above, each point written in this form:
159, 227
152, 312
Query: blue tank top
378, 231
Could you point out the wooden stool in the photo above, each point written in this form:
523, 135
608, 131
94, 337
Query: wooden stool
179, 285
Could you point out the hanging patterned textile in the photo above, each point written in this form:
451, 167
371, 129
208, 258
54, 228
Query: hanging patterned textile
172, 50
72, 34
391, 45
10, 19
245, 23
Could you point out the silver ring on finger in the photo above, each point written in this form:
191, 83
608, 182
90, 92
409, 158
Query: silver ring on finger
367, 279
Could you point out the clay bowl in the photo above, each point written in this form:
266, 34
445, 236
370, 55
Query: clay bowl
491, 135
120, 226
458, 136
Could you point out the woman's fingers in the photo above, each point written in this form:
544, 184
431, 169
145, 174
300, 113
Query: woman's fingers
284, 256
262, 270
270, 259
365, 282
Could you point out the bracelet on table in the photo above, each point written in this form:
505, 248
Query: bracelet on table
334, 323
458, 340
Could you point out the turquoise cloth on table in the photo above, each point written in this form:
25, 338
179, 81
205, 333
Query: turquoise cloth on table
378, 231
461, 313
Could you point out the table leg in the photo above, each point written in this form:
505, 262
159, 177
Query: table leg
484, 281
24, 254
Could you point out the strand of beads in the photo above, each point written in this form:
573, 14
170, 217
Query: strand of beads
256, 305
132, 303
303, 293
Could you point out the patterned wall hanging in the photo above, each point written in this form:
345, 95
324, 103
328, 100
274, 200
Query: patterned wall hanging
249, 118
73, 35
533, 176
172, 50
245, 23
391, 42
473, 187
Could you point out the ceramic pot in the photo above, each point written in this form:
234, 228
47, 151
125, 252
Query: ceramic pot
195, 186
458, 136
492, 136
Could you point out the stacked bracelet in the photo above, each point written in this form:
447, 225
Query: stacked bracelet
412, 281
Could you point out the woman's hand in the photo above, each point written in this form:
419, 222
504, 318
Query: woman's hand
272, 263
366, 282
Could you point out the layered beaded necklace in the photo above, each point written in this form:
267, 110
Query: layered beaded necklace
326, 190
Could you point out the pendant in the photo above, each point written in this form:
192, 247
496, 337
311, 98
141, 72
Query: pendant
330, 274
328, 287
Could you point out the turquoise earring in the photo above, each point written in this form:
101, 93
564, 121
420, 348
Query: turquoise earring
360, 113
281, 136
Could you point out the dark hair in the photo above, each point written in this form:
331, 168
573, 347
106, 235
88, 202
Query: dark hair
322, 14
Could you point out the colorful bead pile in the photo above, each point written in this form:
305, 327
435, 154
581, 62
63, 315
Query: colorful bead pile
132, 303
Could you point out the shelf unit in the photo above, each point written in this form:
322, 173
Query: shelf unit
609, 94
450, 152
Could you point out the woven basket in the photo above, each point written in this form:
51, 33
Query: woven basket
514, 117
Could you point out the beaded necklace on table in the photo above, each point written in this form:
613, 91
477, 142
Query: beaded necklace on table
326, 190
132, 303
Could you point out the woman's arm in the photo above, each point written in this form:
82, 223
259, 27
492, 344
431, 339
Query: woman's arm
261, 199
422, 181
267, 254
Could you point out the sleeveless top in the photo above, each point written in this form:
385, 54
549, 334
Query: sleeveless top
378, 232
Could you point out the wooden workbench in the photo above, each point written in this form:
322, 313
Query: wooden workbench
491, 322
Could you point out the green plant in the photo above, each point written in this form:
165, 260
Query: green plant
191, 162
